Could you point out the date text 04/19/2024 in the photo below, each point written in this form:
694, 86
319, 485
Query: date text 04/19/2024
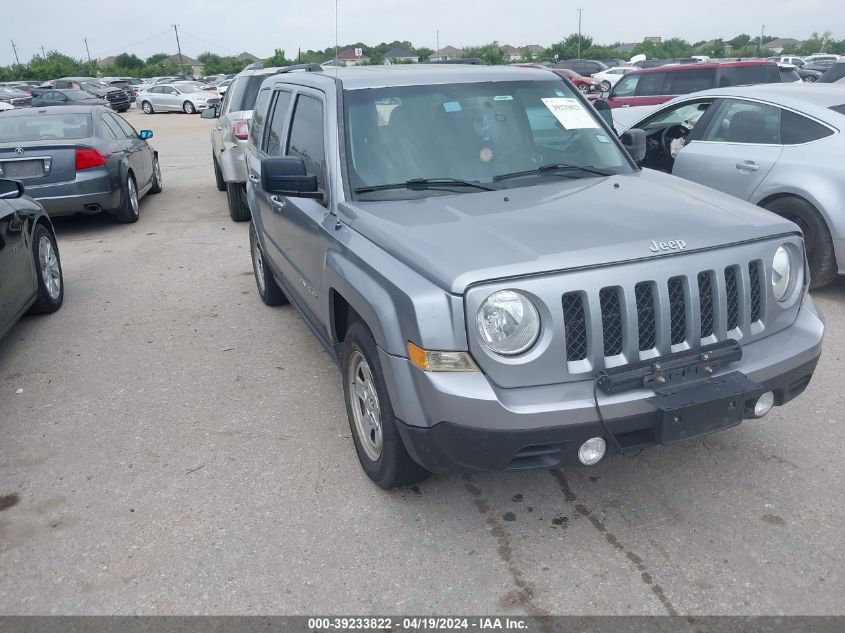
318, 624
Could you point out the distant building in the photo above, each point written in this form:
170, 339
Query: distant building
352, 57
512, 53
653, 40
249, 57
400, 56
777, 46
107, 61
626, 48
535, 50
446, 53
189, 65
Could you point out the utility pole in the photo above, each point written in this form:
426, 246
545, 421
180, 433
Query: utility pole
335, 37
15, 48
762, 29
87, 50
437, 43
579, 33
178, 46
43, 52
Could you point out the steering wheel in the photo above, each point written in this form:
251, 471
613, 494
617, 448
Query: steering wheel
672, 133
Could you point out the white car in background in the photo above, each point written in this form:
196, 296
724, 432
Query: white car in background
608, 78
187, 98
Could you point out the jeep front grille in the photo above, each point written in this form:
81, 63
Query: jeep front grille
653, 316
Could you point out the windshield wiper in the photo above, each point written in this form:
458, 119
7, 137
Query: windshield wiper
420, 184
542, 169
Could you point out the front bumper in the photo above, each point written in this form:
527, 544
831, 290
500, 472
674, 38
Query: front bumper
453, 421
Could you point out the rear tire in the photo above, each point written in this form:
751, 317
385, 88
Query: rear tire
189, 108
268, 289
48, 267
238, 207
380, 449
820, 254
605, 86
583, 88
218, 174
147, 107
129, 210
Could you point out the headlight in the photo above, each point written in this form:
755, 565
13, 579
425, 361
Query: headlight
508, 322
782, 273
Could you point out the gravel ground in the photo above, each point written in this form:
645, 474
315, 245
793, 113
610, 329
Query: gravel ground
178, 447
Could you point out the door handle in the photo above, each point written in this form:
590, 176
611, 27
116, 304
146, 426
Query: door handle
278, 202
748, 165
626, 105
218, 128
254, 178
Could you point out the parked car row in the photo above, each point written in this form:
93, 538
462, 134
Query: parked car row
488, 265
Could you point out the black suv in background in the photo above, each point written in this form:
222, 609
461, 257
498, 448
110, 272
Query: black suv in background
584, 67
115, 98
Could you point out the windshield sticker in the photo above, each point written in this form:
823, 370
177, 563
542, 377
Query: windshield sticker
602, 138
503, 98
486, 155
452, 106
570, 113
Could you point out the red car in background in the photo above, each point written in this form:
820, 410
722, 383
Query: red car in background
587, 85
653, 86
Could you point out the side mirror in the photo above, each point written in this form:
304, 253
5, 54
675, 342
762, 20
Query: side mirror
603, 108
10, 189
286, 176
210, 113
634, 142
145, 135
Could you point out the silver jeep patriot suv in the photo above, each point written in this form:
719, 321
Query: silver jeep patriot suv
502, 287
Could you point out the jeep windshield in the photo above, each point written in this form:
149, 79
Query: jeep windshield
471, 137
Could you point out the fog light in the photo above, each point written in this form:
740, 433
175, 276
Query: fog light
592, 451
764, 404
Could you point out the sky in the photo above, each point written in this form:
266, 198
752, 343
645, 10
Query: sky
229, 27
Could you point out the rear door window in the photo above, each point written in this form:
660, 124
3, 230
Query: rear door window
796, 129
256, 127
686, 81
653, 84
307, 136
112, 127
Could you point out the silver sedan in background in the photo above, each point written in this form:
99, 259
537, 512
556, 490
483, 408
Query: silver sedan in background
176, 97
779, 146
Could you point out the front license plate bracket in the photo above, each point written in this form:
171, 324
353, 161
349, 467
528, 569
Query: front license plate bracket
703, 407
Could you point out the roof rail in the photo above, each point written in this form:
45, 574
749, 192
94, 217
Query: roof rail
310, 68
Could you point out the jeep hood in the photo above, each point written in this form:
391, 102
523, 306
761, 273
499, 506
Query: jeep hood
458, 240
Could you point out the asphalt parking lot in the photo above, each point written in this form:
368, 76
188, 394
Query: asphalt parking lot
168, 444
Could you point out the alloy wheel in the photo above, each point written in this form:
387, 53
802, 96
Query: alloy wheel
49, 264
365, 404
258, 264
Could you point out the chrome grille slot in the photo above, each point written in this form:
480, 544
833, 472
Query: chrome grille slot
732, 296
677, 310
611, 321
647, 320
756, 290
575, 324
705, 299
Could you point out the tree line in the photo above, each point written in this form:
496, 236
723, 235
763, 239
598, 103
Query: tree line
56, 64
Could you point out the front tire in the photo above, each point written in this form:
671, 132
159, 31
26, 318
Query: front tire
238, 206
605, 86
584, 88
147, 107
817, 241
157, 181
129, 210
268, 289
48, 265
380, 449
189, 108
810, 79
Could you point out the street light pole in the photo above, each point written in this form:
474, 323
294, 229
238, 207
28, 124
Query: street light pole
579, 33
15, 48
